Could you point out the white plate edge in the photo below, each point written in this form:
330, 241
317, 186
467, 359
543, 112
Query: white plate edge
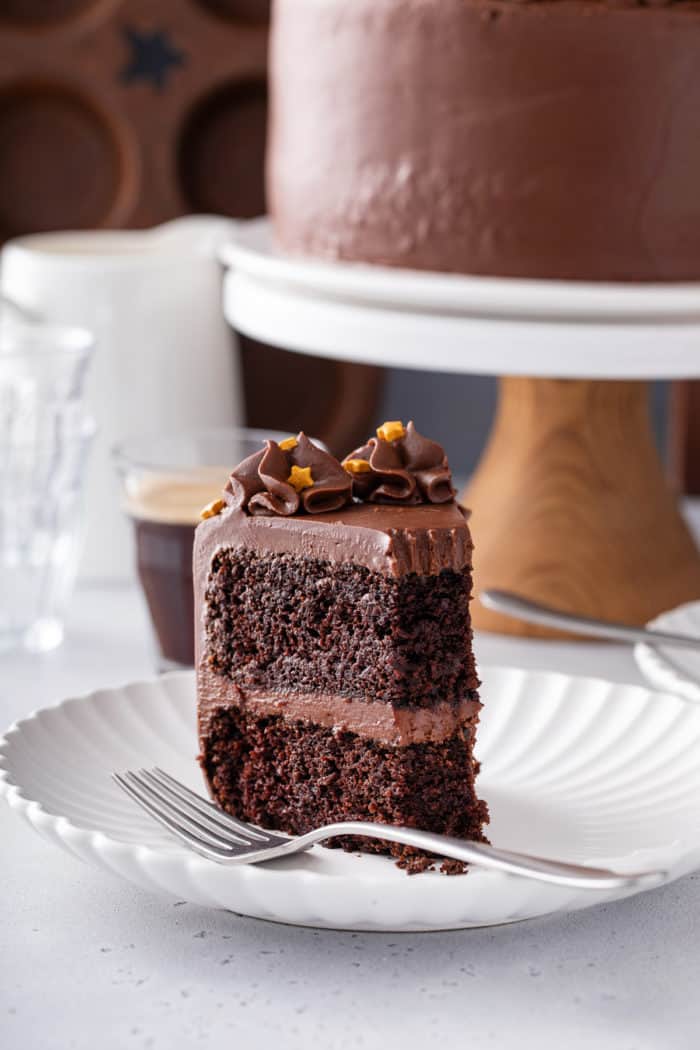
656, 668
30, 809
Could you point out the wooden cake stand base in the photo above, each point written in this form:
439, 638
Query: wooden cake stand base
570, 506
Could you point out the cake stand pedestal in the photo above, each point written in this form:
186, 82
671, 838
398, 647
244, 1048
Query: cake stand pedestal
571, 506
569, 502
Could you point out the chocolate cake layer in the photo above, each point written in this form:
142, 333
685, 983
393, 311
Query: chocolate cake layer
283, 624
558, 139
293, 776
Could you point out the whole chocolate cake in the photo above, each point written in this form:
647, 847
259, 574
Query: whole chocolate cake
335, 673
552, 139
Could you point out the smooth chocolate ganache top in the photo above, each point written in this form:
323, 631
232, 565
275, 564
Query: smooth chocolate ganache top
553, 139
390, 506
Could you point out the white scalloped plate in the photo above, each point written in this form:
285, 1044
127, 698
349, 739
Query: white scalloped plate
675, 670
576, 768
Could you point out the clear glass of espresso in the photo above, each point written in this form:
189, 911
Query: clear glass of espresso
167, 480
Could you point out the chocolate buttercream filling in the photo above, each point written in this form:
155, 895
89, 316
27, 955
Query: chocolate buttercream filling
375, 721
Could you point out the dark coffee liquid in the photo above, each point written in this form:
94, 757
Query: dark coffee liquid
164, 559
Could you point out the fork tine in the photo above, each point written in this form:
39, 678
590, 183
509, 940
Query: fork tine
165, 807
193, 841
204, 807
204, 815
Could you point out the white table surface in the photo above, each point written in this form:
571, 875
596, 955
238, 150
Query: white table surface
87, 961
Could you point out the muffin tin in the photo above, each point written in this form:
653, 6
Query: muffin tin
130, 112
119, 113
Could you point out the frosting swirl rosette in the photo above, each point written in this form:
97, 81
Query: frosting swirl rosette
399, 465
294, 476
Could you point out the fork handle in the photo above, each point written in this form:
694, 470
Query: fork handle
574, 876
535, 612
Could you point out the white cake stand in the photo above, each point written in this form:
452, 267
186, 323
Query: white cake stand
569, 502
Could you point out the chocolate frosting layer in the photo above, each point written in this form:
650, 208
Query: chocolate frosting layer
260, 485
376, 721
395, 540
411, 469
543, 140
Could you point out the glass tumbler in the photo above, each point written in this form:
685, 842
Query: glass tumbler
45, 438
167, 480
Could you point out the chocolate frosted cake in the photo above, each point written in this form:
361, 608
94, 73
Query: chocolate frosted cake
335, 673
556, 139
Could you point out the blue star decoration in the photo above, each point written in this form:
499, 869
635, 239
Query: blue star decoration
152, 58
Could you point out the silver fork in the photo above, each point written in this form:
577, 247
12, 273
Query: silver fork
216, 835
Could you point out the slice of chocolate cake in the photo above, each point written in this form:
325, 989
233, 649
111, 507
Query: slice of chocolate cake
335, 673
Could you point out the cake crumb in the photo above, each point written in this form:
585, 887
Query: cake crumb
453, 867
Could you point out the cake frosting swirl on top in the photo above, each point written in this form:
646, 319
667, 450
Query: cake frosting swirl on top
285, 479
389, 506
399, 465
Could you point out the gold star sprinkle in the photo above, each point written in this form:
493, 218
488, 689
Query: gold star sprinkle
288, 444
212, 509
357, 466
300, 478
391, 431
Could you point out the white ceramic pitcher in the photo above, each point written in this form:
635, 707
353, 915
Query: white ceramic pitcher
166, 358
